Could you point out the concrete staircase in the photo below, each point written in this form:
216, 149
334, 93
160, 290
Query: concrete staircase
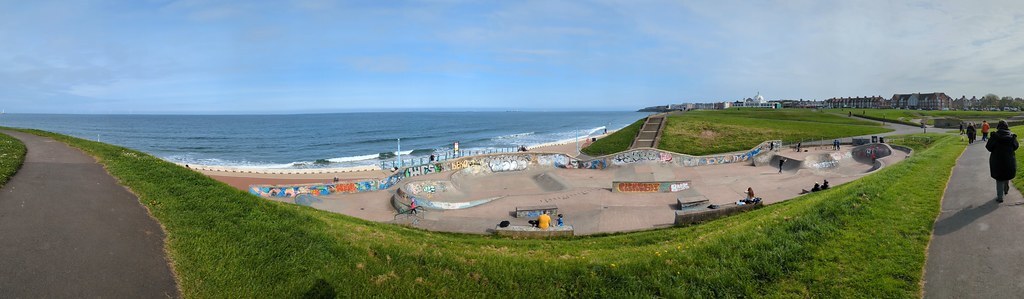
650, 133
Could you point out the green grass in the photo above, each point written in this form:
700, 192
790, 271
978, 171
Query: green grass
12, 154
615, 142
1019, 154
905, 116
866, 238
713, 132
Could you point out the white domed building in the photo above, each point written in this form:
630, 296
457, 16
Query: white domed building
757, 102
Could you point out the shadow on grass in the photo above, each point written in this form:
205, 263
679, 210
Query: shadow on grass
320, 289
964, 217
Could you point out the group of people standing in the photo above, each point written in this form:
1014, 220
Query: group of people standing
1002, 144
972, 132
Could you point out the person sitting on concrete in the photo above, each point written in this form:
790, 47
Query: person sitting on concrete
824, 186
559, 221
816, 187
750, 193
543, 221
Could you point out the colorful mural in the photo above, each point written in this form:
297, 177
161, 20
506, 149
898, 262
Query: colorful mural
650, 187
515, 162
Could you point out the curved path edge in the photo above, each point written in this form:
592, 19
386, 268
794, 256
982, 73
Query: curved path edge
69, 230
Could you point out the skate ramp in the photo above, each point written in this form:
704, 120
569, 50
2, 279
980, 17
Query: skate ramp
858, 160
471, 187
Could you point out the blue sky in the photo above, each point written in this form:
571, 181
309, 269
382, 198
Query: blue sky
200, 56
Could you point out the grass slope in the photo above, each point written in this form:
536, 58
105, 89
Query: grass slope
863, 239
1019, 180
905, 116
615, 142
713, 132
12, 154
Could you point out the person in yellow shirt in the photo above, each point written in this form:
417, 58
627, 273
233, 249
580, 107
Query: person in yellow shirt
543, 221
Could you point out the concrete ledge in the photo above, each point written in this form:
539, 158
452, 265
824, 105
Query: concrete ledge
650, 187
701, 213
536, 211
530, 232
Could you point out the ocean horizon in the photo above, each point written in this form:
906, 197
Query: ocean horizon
323, 140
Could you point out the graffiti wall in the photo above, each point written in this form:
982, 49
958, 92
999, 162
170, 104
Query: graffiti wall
650, 187
663, 157
516, 162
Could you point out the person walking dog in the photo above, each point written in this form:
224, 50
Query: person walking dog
1001, 163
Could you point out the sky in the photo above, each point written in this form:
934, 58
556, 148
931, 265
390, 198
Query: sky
307, 56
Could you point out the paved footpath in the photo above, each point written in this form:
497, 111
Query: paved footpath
69, 230
977, 247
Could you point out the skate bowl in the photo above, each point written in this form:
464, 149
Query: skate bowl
858, 160
474, 186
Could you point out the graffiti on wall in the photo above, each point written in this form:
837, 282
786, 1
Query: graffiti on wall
650, 187
505, 163
522, 161
637, 187
422, 170
641, 156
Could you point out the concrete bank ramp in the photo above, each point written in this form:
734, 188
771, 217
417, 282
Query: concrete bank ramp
470, 188
856, 160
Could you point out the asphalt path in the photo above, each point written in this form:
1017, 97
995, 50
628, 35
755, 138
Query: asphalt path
977, 246
69, 230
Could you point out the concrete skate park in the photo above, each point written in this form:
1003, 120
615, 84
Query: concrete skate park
633, 190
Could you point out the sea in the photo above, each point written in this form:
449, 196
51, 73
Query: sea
324, 140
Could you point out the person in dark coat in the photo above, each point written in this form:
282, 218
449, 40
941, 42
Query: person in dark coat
1002, 163
971, 133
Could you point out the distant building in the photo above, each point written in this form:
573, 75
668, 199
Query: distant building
925, 101
874, 102
755, 102
963, 103
801, 103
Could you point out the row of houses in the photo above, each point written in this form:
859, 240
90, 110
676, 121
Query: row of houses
924, 101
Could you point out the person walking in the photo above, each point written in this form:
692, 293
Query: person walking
1002, 163
962, 128
971, 133
984, 130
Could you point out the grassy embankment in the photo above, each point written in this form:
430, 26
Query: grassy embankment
12, 154
866, 238
1019, 180
712, 132
906, 116
615, 142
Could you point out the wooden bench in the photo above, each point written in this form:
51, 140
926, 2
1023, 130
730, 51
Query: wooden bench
536, 211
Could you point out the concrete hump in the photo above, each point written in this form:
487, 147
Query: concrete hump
790, 164
550, 182
868, 153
